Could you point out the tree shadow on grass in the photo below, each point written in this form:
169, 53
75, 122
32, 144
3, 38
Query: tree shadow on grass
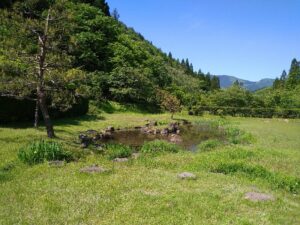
56, 122
78, 120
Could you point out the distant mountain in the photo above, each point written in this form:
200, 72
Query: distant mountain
226, 81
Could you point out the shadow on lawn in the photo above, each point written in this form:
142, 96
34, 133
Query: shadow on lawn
57, 122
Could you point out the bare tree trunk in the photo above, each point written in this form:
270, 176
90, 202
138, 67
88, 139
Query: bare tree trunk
41, 95
45, 113
36, 114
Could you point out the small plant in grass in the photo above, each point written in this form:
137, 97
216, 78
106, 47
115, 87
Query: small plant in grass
237, 136
209, 145
39, 151
118, 151
159, 146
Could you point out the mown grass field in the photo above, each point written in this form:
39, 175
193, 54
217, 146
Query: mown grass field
147, 190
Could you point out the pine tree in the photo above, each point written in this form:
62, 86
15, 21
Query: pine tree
215, 83
294, 75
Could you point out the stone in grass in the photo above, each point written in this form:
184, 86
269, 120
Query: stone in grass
56, 163
120, 159
136, 155
187, 176
258, 197
93, 169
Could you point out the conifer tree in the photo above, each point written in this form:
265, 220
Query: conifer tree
294, 75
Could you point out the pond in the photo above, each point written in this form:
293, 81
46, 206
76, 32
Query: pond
189, 138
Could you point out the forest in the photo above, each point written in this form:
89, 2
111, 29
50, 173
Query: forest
133, 134
85, 53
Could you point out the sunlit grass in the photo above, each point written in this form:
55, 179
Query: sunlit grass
147, 190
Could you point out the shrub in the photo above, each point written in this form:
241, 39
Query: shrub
159, 146
237, 136
39, 151
209, 145
118, 151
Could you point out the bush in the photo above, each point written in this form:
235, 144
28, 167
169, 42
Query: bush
159, 146
118, 151
237, 136
39, 151
209, 145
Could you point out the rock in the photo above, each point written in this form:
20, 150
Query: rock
120, 159
107, 135
144, 129
98, 137
156, 131
175, 138
85, 140
153, 123
56, 163
136, 155
173, 127
93, 169
110, 129
164, 131
91, 132
256, 197
84, 145
99, 147
178, 132
186, 122
187, 176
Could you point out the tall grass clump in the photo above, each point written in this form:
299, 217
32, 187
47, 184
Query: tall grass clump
237, 136
289, 183
40, 151
159, 146
118, 151
209, 145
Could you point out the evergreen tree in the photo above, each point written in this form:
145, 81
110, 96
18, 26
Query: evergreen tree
283, 75
215, 83
115, 14
294, 75
276, 84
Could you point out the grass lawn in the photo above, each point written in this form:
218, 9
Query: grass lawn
147, 190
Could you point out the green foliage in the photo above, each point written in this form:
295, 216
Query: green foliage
288, 183
39, 151
209, 145
118, 151
237, 136
294, 75
169, 103
158, 146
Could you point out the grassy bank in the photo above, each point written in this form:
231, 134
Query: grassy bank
146, 190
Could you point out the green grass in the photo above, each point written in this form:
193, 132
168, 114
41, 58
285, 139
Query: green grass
146, 190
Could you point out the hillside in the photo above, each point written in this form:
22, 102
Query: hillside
227, 81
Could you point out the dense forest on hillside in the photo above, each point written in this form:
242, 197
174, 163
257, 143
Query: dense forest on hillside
58, 52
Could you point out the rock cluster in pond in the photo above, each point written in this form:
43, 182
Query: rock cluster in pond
92, 136
172, 132
173, 128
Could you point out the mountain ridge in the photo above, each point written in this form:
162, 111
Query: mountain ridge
227, 80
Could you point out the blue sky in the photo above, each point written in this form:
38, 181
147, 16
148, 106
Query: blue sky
251, 39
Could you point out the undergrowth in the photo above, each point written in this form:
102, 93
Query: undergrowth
39, 151
291, 184
159, 146
118, 151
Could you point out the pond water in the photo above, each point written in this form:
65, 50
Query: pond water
190, 135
